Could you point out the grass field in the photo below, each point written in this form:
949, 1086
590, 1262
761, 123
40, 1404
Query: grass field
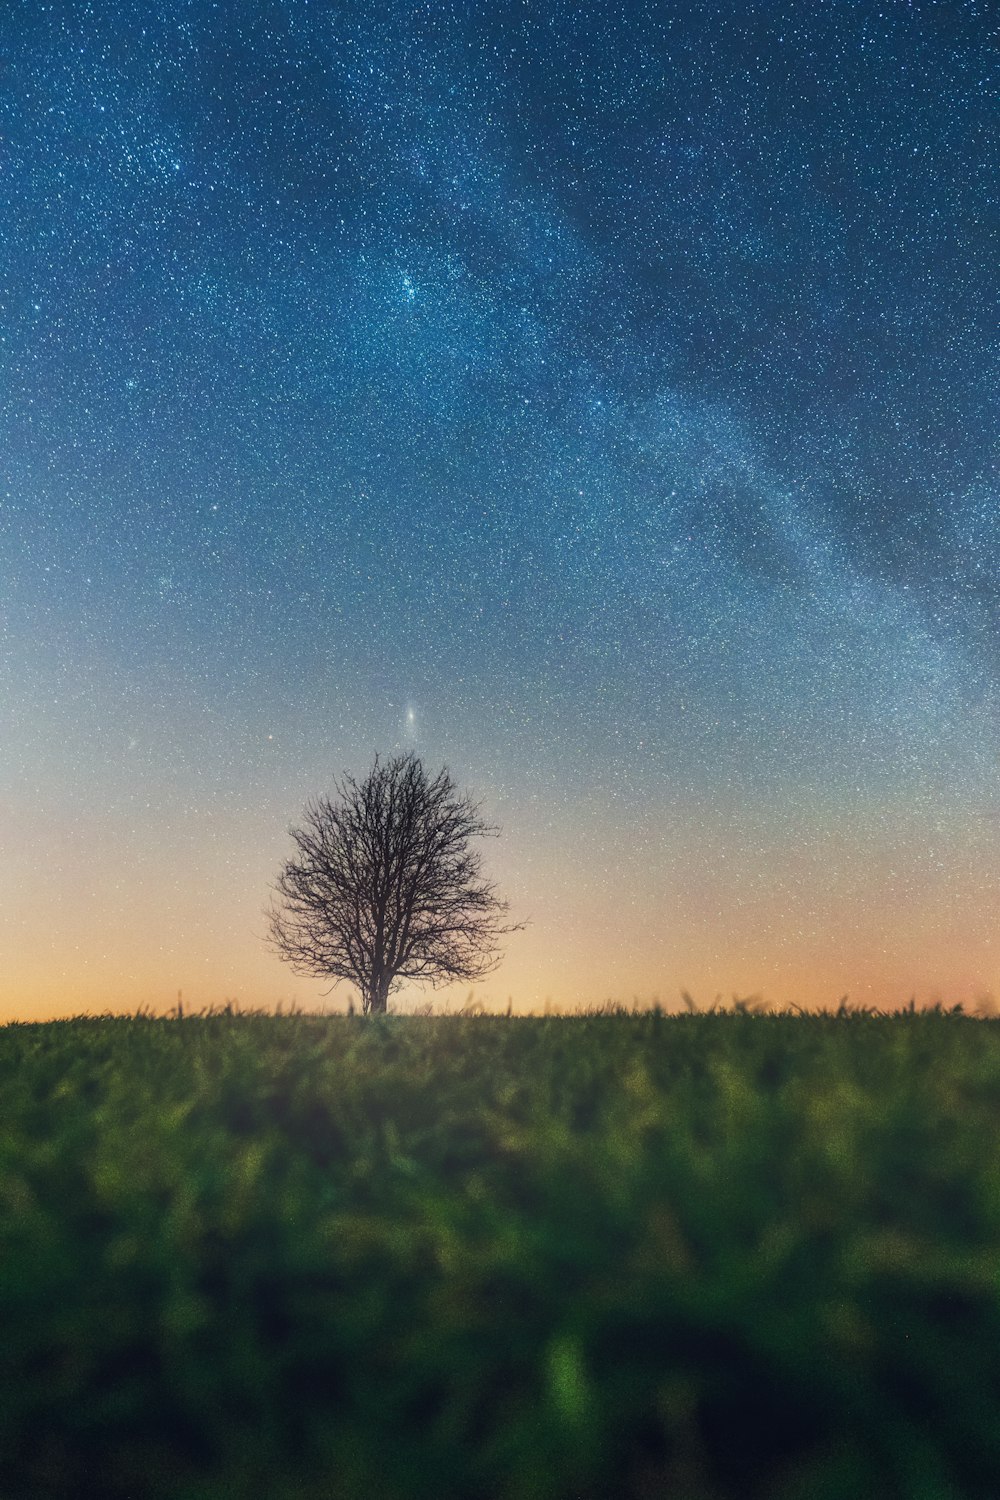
319, 1258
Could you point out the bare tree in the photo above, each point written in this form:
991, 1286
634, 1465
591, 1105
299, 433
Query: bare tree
385, 886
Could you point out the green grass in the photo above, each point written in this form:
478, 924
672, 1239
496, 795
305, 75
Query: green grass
309, 1258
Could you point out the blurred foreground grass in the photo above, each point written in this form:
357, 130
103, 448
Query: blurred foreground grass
319, 1258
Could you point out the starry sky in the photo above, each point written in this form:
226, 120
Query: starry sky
597, 398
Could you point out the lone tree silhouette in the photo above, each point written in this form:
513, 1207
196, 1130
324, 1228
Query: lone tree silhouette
385, 887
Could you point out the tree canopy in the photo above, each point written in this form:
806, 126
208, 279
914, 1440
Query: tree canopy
385, 885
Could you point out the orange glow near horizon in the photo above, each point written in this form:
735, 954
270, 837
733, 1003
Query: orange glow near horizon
794, 915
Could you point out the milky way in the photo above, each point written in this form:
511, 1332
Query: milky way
600, 399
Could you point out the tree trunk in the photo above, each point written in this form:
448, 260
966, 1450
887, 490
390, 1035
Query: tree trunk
378, 997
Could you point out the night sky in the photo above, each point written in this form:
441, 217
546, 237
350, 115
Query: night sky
600, 399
